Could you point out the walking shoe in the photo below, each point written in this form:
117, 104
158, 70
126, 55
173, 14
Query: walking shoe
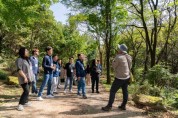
106, 108
121, 107
65, 91
40, 99
71, 91
98, 92
28, 104
20, 107
92, 91
84, 97
49, 96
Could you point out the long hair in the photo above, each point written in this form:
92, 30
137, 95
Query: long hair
93, 63
22, 53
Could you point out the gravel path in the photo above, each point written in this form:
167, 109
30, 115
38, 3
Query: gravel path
69, 106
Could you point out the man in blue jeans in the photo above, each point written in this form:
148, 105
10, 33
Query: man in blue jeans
35, 68
80, 73
48, 73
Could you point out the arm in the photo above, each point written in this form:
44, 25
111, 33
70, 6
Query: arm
45, 63
77, 69
115, 63
20, 72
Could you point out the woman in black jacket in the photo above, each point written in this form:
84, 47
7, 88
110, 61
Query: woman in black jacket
94, 76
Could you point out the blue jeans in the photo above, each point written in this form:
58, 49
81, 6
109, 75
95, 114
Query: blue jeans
69, 81
47, 80
82, 85
34, 88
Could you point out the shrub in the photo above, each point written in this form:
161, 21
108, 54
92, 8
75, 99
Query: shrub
3, 75
160, 76
12, 81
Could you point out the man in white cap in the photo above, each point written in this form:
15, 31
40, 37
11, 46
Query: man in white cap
121, 65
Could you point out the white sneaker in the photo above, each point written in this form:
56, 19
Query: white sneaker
65, 91
40, 99
20, 107
28, 104
49, 96
71, 91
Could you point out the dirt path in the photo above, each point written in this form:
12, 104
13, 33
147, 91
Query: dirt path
69, 106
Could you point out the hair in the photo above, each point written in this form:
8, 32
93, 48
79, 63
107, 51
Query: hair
93, 63
54, 55
34, 50
79, 55
22, 52
71, 58
48, 48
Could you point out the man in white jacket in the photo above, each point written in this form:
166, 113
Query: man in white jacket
121, 65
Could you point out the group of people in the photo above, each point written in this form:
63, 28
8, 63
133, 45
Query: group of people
28, 70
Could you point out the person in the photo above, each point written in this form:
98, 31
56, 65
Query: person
59, 77
80, 73
95, 76
55, 75
48, 73
69, 74
99, 67
25, 76
121, 65
88, 77
35, 67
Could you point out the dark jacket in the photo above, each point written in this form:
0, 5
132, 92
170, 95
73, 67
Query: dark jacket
80, 70
94, 72
47, 63
56, 72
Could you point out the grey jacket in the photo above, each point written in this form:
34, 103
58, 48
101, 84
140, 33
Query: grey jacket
26, 67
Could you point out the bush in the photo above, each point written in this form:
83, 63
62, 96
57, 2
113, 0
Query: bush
160, 76
3, 75
12, 81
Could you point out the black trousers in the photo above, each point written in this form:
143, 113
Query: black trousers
116, 85
25, 94
95, 79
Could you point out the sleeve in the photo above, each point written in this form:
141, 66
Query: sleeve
115, 63
19, 64
77, 69
45, 63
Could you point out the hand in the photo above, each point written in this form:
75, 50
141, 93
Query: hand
78, 78
52, 67
25, 80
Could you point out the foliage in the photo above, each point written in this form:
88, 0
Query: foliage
160, 76
3, 75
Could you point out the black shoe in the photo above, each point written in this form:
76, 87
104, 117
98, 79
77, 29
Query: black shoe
121, 108
98, 92
106, 108
92, 91
84, 97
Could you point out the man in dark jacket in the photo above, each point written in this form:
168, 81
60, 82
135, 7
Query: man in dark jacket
48, 73
80, 73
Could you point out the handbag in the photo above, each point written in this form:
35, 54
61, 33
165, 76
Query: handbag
131, 80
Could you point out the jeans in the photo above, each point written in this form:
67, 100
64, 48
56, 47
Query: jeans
34, 87
95, 79
47, 80
25, 94
54, 84
118, 83
82, 85
69, 81
59, 81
